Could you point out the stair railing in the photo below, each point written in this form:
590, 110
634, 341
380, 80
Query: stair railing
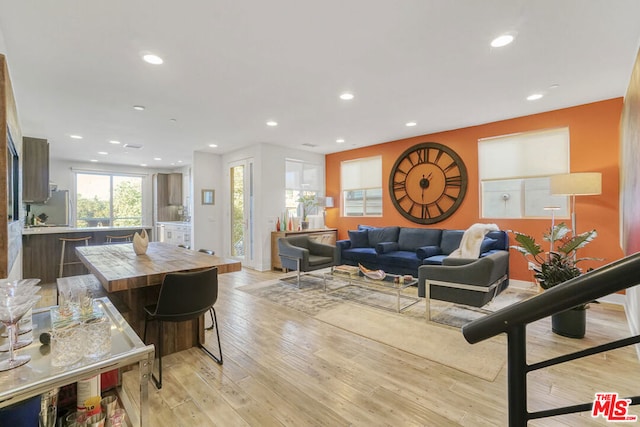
512, 320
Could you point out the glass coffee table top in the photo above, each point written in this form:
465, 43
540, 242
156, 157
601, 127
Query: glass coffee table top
392, 284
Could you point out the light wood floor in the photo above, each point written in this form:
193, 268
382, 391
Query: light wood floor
282, 367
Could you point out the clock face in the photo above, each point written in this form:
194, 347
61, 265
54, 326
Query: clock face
428, 183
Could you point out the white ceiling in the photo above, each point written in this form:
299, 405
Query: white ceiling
232, 65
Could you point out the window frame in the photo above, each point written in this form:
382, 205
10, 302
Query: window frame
526, 201
111, 175
368, 180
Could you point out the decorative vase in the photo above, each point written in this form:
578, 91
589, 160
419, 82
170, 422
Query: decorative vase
571, 323
278, 224
140, 242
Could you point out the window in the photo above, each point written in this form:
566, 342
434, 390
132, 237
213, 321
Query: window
108, 200
302, 179
361, 181
514, 173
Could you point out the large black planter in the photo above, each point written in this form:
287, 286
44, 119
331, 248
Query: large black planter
571, 323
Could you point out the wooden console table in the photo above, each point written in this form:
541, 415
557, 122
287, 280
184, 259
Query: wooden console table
327, 236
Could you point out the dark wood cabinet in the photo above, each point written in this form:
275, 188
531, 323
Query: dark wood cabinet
35, 170
175, 189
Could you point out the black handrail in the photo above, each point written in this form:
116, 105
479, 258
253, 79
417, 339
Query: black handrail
513, 320
583, 289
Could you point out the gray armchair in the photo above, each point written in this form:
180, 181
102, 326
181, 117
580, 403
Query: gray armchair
303, 254
472, 282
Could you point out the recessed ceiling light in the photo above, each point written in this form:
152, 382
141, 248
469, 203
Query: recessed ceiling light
339, 140
346, 96
173, 164
534, 96
102, 153
272, 123
502, 40
152, 59
75, 136
179, 161
138, 107
114, 142
93, 160
410, 124
157, 158
213, 145
143, 164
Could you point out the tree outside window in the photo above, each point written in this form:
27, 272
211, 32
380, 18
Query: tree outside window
108, 200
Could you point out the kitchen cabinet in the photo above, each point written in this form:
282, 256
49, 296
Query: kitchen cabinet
174, 182
328, 236
41, 248
175, 233
35, 170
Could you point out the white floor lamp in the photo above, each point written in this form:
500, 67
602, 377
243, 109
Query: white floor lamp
576, 184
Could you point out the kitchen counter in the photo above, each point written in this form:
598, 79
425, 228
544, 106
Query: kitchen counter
41, 249
57, 229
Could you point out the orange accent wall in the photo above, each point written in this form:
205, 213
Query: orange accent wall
594, 133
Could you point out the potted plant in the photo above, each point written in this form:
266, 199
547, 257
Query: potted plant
307, 202
556, 266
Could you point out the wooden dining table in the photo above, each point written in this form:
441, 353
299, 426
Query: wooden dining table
133, 282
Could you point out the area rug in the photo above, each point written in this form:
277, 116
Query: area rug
311, 299
437, 343
441, 344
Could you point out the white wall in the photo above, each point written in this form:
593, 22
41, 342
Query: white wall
207, 173
269, 186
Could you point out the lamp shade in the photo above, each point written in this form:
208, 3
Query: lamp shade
328, 202
576, 184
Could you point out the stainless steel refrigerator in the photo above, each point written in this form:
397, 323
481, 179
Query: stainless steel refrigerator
56, 208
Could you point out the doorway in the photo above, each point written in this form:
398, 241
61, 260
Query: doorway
242, 211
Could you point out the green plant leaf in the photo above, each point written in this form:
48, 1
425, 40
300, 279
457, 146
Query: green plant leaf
578, 241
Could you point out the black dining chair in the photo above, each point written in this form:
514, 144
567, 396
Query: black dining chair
184, 296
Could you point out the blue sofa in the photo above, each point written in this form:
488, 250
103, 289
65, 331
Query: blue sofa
401, 250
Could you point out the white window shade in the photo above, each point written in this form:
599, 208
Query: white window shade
540, 153
362, 173
303, 176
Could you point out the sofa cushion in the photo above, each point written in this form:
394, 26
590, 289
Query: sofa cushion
384, 234
488, 244
434, 260
428, 251
502, 240
365, 227
385, 247
450, 240
398, 260
410, 239
357, 255
359, 239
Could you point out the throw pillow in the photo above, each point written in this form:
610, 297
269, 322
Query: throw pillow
384, 234
359, 239
487, 244
386, 247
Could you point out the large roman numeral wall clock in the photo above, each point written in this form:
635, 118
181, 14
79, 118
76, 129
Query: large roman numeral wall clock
428, 183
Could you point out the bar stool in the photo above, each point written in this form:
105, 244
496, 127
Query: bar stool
71, 240
119, 239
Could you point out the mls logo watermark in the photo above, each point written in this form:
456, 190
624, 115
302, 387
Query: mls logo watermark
612, 408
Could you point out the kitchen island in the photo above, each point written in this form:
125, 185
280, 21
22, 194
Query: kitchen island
135, 280
41, 248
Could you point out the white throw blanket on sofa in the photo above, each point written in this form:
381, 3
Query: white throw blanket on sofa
472, 240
